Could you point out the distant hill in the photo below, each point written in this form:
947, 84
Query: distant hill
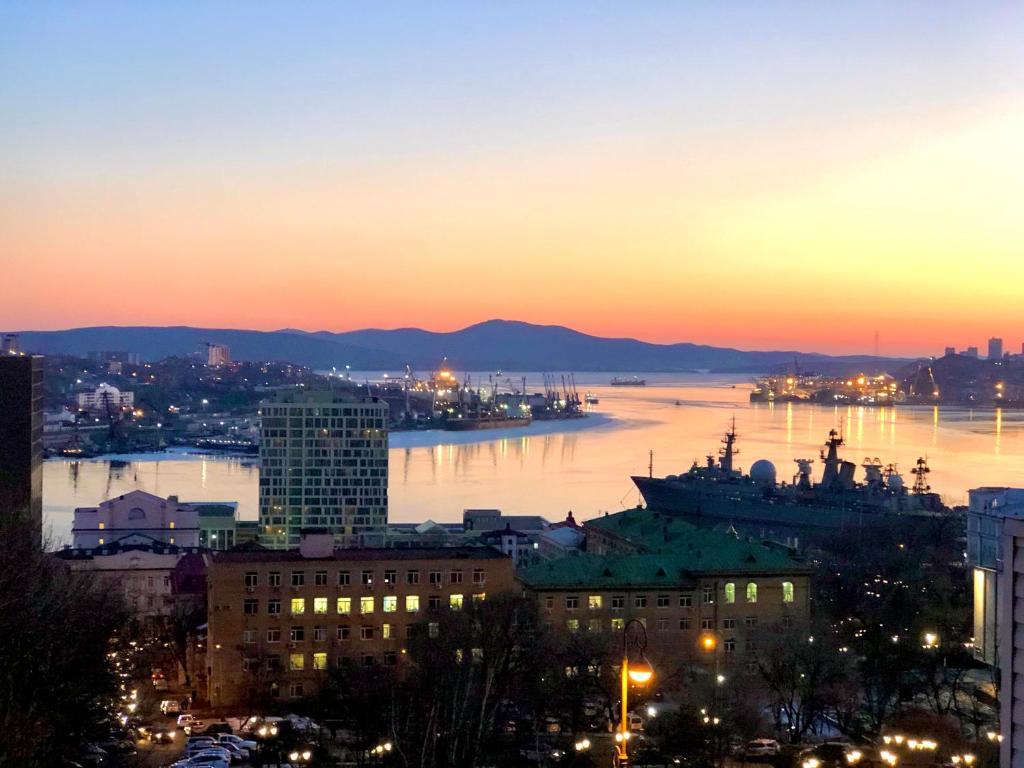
491, 345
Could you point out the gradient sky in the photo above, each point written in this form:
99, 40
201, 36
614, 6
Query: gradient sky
753, 174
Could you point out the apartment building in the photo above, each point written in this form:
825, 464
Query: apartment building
323, 464
282, 618
689, 586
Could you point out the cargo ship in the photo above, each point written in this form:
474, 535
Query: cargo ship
756, 504
469, 423
633, 381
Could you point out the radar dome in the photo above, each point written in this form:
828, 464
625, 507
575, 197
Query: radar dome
762, 471
895, 482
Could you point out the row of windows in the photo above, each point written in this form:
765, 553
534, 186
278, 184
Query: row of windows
618, 602
297, 634
343, 605
366, 577
663, 624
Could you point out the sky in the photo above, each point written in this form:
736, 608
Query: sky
752, 174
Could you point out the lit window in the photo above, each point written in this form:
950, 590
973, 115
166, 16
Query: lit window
412, 603
344, 605
366, 605
298, 606
320, 605
171, 524
751, 592
101, 542
320, 660
389, 603
730, 593
455, 602
618, 624
573, 625
787, 591
172, 539
594, 602
102, 526
479, 597
385, 631
296, 661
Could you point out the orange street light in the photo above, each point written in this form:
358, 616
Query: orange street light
708, 642
639, 672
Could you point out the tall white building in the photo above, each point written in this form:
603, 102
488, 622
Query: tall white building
323, 464
217, 354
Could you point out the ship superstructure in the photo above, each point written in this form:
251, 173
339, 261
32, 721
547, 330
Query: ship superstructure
759, 505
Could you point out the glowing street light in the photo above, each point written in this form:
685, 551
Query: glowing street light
639, 671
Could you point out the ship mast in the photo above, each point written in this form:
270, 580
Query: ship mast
831, 460
726, 453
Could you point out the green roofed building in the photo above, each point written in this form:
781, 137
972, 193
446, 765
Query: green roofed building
703, 594
219, 526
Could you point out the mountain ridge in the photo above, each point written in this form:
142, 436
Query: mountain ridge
487, 345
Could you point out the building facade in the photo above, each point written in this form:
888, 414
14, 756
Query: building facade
988, 509
995, 348
217, 354
21, 440
104, 396
282, 618
1011, 652
687, 585
323, 464
136, 517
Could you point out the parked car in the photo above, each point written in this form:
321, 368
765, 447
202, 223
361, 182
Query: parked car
161, 685
238, 741
170, 707
212, 756
238, 754
829, 755
761, 748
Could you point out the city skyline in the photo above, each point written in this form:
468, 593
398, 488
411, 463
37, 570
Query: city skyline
759, 178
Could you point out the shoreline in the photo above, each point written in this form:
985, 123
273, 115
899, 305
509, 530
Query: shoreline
405, 439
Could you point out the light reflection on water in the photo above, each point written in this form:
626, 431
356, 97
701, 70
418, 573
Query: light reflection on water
586, 468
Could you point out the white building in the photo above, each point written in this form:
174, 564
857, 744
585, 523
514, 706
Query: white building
323, 464
104, 395
142, 576
988, 509
217, 354
136, 517
1011, 652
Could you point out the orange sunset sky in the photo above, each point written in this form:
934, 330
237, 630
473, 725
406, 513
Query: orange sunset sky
798, 177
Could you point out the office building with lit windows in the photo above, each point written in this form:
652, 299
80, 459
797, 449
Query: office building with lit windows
686, 584
279, 619
323, 464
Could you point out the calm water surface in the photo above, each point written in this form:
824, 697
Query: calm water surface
550, 468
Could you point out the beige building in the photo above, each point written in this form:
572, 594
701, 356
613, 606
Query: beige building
688, 586
140, 574
323, 464
279, 619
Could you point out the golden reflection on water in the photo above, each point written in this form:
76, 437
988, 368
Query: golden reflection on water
588, 469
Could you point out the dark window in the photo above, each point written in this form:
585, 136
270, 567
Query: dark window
252, 607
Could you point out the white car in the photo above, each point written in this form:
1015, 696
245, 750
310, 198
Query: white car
186, 718
211, 756
761, 748
170, 707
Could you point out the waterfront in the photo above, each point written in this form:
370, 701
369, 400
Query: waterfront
584, 465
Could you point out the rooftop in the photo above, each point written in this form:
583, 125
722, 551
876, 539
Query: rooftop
318, 397
256, 554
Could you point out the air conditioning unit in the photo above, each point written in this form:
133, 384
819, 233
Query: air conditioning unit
291, 645
438, 585
250, 590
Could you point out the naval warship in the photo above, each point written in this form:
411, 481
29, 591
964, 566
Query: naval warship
757, 504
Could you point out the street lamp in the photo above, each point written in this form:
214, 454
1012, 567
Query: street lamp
638, 671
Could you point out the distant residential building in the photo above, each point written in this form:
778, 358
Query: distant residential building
481, 520
21, 440
107, 356
560, 542
988, 509
141, 572
515, 544
682, 581
971, 351
1011, 652
217, 354
9, 344
950, 351
323, 463
995, 349
105, 396
136, 517
282, 618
